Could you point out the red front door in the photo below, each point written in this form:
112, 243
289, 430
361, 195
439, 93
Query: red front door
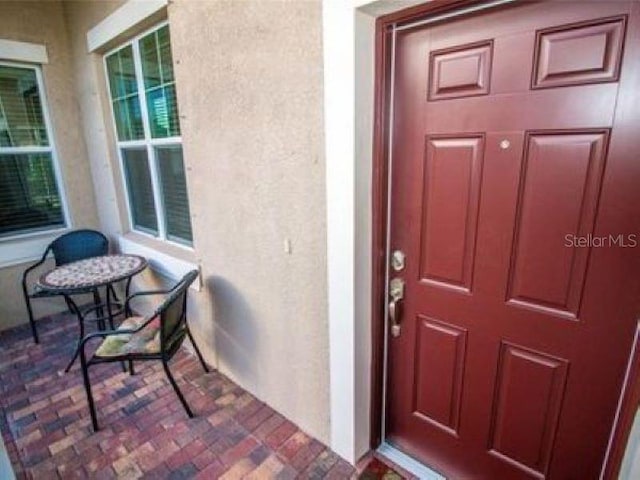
515, 196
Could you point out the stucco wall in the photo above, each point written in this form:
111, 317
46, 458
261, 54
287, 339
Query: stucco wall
43, 23
88, 75
249, 81
250, 89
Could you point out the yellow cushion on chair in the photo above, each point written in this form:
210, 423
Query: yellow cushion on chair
146, 340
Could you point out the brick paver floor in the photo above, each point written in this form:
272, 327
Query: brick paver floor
144, 430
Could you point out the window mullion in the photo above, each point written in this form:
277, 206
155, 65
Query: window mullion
19, 150
151, 154
132, 143
157, 198
166, 141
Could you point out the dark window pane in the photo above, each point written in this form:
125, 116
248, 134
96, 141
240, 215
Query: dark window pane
157, 68
164, 49
122, 73
124, 95
21, 119
175, 200
29, 196
128, 118
140, 188
113, 67
163, 112
157, 63
150, 61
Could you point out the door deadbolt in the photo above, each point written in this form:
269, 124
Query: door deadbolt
397, 260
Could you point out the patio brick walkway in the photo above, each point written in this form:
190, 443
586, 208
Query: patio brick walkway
144, 430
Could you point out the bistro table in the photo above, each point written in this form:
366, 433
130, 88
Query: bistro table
87, 275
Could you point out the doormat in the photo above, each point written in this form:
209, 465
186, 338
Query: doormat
377, 470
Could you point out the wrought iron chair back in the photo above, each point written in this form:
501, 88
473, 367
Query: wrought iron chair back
78, 245
173, 315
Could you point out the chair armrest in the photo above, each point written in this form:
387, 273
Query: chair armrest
106, 333
35, 265
148, 292
140, 294
114, 313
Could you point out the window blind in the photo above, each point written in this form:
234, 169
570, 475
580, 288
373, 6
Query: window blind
175, 200
29, 197
140, 188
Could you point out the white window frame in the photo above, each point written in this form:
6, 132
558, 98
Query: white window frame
53, 151
149, 143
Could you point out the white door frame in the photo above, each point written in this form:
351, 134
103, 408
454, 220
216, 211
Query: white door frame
348, 44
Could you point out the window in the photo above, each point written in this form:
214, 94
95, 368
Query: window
145, 112
30, 193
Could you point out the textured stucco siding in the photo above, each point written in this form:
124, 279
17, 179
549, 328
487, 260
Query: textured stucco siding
250, 93
44, 23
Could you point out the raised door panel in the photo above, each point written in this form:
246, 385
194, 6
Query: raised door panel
451, 193
577, 54
558, 198
460, 71
528, 398
439, 368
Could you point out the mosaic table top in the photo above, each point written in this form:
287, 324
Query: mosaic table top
92, 272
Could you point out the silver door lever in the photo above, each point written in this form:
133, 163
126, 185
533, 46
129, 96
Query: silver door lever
396, 292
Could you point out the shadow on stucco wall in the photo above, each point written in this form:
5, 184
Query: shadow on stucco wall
235, 336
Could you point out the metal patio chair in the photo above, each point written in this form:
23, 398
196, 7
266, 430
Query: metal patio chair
67, 248
157, 336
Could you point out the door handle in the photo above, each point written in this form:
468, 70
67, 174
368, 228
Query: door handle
396, 292
394, 317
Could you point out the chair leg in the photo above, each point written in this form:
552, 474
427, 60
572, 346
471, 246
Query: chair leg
127, 288
195, 347
66, 300
74, 308
87, 388
176, 389
32, 322
113, 294
131, 370
99, 312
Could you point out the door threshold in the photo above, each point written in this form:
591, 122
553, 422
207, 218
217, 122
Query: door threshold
408, 463
6, 470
